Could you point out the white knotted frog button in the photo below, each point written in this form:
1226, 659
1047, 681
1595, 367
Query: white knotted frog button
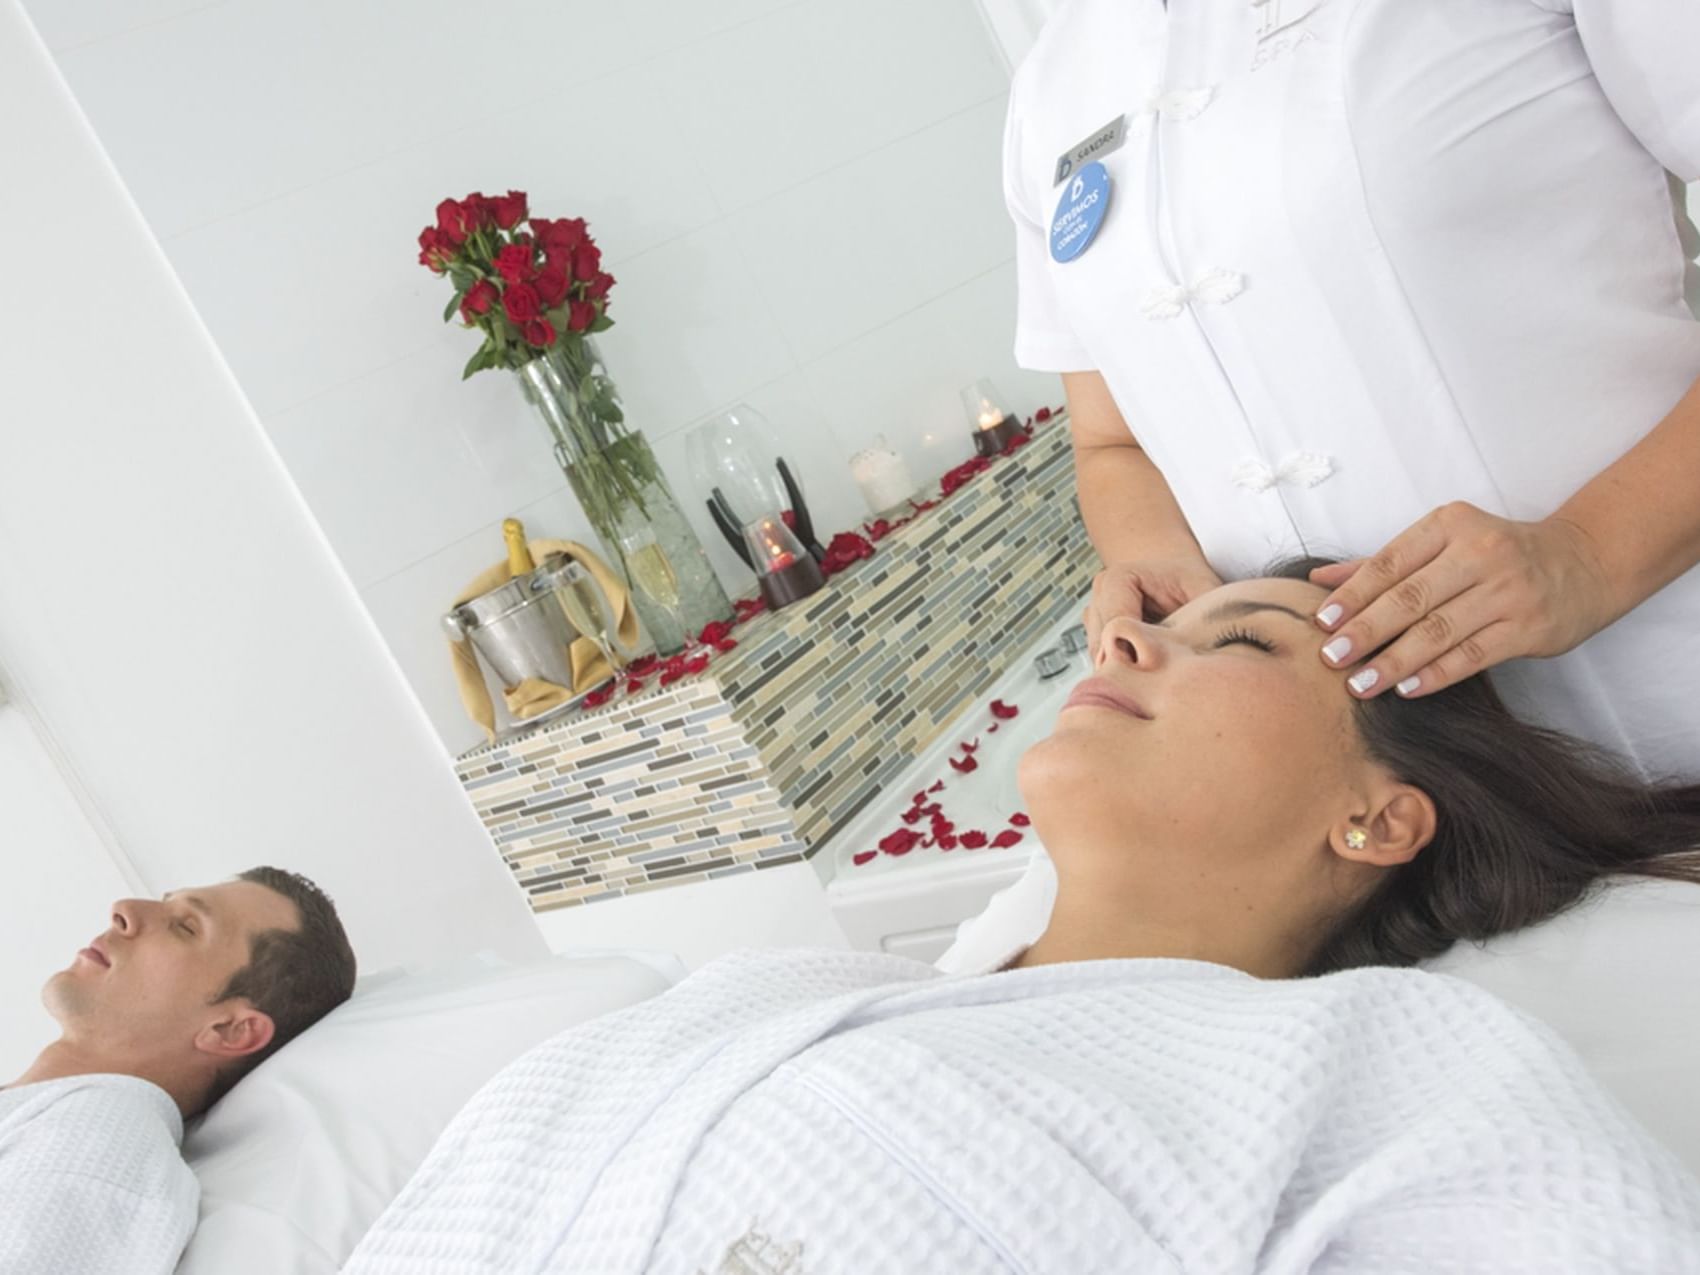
1300, 469
1179, 104
1213, 287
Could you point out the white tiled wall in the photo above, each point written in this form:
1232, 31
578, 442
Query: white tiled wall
799, 198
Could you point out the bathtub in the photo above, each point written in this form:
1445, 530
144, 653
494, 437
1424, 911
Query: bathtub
911, 905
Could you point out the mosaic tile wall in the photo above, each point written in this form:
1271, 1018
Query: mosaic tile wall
783, 741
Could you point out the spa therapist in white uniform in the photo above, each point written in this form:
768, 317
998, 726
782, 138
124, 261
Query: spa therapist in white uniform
1396, 276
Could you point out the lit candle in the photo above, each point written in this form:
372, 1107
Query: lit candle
990, 417
883, 478
774, 553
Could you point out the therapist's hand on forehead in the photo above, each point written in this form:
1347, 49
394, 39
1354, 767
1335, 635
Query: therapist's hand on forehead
1457, 593
1462, 590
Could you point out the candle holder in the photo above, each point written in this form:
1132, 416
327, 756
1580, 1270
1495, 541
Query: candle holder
734, 459
994, 426
882, 477
785, 571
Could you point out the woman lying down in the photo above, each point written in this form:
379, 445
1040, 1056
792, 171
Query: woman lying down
1204, 1065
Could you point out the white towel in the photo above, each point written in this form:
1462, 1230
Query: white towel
825, 1112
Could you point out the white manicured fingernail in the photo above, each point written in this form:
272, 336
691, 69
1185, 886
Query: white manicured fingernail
1337, 650
1361, 682
1330, 615
1409, 685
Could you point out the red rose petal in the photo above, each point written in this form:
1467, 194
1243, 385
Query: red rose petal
900, 842
728, 644
912, 816
1020, 820
1005, 839
992, 729
600, 696
937, 787
972, 840
1003, 710
948, 842
643, 667
1042, 415
697, 663
962, 765
943, 827
971, 748
634, 686
867, 856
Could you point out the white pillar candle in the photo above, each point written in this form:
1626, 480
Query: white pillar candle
883, 478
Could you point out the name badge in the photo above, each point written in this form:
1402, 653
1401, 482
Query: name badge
1102, 141
1085, 201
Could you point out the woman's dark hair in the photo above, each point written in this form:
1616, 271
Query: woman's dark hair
1529, 822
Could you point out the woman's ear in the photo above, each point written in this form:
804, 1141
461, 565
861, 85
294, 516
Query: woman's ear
1396, 827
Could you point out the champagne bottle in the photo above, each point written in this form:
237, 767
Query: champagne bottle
519, 553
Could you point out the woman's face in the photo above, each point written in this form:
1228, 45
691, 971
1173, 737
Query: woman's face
1214, 748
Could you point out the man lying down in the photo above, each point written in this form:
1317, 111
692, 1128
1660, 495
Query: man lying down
159, 1016
1205, 1064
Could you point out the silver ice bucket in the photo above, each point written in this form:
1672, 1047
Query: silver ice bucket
520, 629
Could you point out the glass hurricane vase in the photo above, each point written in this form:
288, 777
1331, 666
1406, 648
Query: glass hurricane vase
613, 473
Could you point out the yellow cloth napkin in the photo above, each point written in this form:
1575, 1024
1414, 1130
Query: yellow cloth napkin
533, 696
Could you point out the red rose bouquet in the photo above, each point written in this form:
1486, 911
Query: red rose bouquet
529, 284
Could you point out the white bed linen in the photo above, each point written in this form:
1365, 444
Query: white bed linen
301, 1157
857, 1112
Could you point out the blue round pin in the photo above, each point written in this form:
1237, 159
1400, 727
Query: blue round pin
1085, 201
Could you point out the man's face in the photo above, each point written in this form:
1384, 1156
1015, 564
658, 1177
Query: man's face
146, 987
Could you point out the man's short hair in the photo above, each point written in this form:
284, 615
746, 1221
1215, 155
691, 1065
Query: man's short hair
295, 977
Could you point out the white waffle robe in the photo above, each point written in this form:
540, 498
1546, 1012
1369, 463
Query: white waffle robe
91, 1180
841, 1113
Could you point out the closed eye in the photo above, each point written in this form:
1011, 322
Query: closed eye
186, 928
1236, 637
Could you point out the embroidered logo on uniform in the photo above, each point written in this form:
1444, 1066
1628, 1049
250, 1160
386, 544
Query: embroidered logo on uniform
1280, 28
755, 1253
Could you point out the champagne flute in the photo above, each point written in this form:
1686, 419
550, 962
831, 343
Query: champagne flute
587, 608
652, 572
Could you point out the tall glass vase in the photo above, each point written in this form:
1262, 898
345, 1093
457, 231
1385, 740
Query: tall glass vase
620, 487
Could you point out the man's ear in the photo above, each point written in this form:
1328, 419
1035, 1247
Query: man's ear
1400, 821
239, 1030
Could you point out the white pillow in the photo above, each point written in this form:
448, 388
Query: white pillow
1618, 978
298, 1160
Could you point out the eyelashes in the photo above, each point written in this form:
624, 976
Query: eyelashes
1236, 637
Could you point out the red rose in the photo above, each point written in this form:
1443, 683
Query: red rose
552, 285
587, 262
509, 209
514, 263
452, 221
559, 238
599, 286
521, 303
478, 299
434, 250
479, 210
540, 332
580, 315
